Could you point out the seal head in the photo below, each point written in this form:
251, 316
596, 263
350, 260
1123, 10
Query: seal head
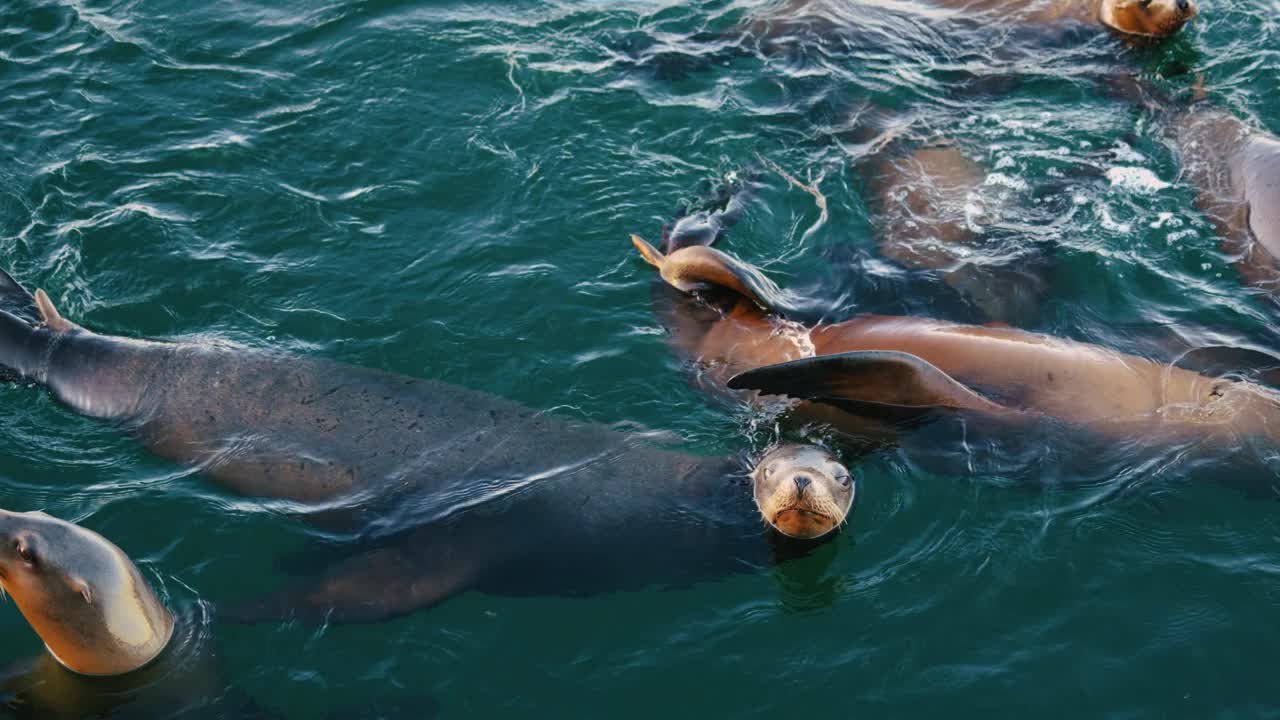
81, 594
802, 491
1149, 18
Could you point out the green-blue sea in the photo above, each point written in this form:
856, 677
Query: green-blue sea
444, 189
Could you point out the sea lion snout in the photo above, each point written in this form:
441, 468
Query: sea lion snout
1149, 18
802, 491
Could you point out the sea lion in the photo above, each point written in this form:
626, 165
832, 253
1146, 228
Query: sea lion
1137, 18
1236, 171
81, 594
901, 367
111, 643
931, 214
794, 493
449, 474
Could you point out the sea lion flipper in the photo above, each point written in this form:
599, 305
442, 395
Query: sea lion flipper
651, 254
1220, 360
49, 314
698, 267
867, 378
369, 587
15, 299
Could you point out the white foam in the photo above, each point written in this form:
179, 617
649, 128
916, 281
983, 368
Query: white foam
1136, 179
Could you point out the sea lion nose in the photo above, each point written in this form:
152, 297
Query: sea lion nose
1184, 6
802, 482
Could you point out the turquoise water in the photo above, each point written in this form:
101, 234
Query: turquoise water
444, 189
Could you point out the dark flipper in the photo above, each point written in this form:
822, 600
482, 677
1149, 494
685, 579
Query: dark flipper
703, 226
1219, 360
15, 300
28, 326
861, 381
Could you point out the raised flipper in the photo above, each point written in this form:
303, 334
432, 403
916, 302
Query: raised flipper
867, 382
698, 268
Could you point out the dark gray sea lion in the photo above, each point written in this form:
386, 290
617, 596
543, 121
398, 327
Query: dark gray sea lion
488, 494
113, 649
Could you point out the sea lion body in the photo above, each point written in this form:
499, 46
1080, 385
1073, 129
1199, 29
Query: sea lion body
453, 489
1157, 18
1012, 372
1236, 171
932, 213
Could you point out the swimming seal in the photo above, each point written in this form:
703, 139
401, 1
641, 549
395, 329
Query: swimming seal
1137, 18
801, 491
901, 367
931, 214
112, 647
1235, 169
451, 475
81, 594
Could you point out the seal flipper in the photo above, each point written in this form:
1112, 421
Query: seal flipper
15, 300
697, 268
370, 587
1220, 360
860, 381
28, 326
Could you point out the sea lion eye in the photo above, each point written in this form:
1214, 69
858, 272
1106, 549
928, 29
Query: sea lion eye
25, 552
844, 479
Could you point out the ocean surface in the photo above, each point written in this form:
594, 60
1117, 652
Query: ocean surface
445, 189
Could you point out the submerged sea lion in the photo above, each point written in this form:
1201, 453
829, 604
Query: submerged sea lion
111, 644
897, 367
454, 473
932, 215
1236, 170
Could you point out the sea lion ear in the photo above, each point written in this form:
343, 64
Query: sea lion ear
82, 588
865, 381
49, 314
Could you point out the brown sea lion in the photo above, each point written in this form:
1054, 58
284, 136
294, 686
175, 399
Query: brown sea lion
795, 492
450, 474
1235, 169
932, 213
112, 647
891, 366
1142, 18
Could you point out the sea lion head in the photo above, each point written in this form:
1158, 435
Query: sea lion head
1151, 18
802, 490
81, 594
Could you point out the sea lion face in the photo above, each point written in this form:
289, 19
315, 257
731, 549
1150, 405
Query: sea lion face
802, 491
1153, 18
81, 594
